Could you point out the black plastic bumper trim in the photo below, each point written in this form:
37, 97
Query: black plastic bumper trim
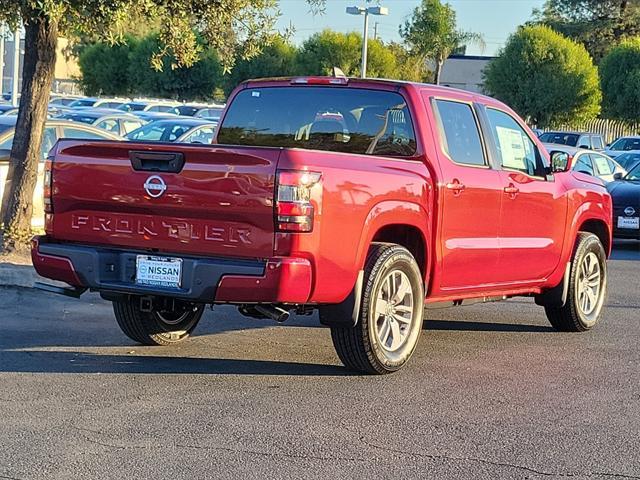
114, 270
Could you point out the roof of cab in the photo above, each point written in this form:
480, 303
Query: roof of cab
281, 81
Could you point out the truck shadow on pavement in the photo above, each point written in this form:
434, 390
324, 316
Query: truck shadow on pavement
467, 326
81, 362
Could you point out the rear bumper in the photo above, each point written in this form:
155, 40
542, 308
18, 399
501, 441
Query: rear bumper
204, 280
626, 233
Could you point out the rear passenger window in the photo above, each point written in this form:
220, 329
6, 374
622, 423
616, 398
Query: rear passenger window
351, 120
597, 143
516, 151
459, 133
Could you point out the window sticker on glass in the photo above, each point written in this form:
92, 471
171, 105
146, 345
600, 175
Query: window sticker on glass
602, 165
513, 148
255, 93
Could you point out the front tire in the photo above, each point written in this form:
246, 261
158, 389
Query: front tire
587, 287
390, 317
168, 322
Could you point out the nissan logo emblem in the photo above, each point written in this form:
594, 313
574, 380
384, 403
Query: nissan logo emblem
629, 211
155, 186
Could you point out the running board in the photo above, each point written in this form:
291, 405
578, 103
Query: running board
74, 292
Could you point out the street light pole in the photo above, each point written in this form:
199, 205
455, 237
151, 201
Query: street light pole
365, 44
366, 11
16, 67
1, 59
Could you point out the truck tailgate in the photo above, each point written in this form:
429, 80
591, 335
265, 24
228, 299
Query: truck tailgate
128, 194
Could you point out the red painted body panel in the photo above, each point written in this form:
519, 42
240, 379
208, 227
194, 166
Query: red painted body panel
481, 241
58, 268
286, 280
221, 203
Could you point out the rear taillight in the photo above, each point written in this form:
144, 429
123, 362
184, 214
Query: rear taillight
294, 207
47, 184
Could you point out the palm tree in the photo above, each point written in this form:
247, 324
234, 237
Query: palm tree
431, 33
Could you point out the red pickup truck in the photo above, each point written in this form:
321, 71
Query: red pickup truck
367, 200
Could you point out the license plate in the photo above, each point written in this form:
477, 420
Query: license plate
159, 271
629, 222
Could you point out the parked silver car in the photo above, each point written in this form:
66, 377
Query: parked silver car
590, 162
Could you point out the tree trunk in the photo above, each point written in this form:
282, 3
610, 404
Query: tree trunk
438, 71
38, 72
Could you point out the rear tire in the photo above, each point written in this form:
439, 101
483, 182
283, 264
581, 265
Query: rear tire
390, 316
170, 321
587, 287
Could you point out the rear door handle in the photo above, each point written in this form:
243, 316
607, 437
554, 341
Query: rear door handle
456, 186
512, 190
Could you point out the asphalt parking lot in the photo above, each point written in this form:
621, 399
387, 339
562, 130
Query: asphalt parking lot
493, 392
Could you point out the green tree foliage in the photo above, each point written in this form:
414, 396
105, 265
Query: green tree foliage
545, 77
275, 60
102, 66
620, 80
431, 33
597, 24
327, 49
228, 26
195, 82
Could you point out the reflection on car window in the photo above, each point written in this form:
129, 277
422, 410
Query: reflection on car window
350, 120
110, 124
515, 149
626, 144
70, 132
628, 160
459, 133
560, 138
49, 139
202, 135
634, 174
160, 131
584, 165
131, 125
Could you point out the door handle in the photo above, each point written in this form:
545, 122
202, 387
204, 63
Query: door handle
456, 186
512, 190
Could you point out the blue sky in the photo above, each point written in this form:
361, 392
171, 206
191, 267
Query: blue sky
494, 19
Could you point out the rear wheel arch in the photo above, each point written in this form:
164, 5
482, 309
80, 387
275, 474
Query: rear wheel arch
600, 229
408, 236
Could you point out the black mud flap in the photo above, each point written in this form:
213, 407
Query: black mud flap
344, 314
556, 297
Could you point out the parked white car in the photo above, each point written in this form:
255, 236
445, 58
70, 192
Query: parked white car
54, 130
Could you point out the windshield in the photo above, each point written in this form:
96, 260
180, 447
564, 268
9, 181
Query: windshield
74, 117
634, 174
131, 107
159, 132
628, 160
83, 102
560, 138
351, 120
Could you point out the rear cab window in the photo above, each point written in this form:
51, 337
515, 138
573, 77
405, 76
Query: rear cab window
339, 119
459, 132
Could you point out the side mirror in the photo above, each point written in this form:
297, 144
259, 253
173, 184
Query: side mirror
584, 147
560, 161
618, 176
